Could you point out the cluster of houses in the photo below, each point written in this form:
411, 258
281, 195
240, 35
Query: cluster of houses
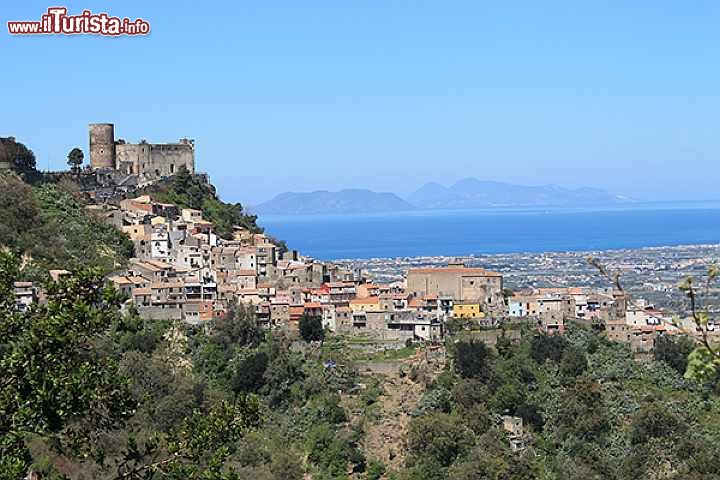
624, 319
183, 271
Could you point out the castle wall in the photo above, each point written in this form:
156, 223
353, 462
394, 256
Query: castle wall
155, 159
166, 159
132, 158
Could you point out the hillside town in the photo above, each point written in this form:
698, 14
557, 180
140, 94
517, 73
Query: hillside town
184, 271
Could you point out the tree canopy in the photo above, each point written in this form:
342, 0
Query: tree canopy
20, 157
311, 329
75, 159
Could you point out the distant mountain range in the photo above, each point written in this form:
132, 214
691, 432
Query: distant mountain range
474, 193
322, 201
468, 193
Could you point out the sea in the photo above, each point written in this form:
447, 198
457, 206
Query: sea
475, 232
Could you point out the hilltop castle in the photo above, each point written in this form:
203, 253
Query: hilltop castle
151, 160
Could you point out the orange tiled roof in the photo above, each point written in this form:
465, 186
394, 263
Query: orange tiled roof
365, 301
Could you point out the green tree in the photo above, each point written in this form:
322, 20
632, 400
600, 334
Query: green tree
375, 470
55, 382
472, 360
238, 328
75, 159
504, 345
17, 155
250, 372
286, 465
493, 459
581, 412
673, 351
438, 437
284, 370
573, 362
544, 347
311, 329
655, 421
508, 397
333, 451
196, 449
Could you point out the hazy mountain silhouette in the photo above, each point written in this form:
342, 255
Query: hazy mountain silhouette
322, 201
467, 193
474, 193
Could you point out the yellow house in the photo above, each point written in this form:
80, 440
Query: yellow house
467, 310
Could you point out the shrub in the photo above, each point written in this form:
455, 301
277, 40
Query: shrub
472, 360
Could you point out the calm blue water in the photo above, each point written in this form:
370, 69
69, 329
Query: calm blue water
477, 232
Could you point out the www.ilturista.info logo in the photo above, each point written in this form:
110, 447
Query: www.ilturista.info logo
57, 22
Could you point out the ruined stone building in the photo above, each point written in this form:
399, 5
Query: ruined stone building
152, 160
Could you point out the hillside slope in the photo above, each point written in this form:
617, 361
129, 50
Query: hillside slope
49, 226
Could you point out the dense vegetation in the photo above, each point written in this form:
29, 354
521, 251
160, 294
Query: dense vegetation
49, 225
188, 191
589, 410
91, 392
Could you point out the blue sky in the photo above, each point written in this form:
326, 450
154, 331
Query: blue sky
387, 95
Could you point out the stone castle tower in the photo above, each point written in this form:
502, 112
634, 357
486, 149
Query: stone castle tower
148, 159
102, 145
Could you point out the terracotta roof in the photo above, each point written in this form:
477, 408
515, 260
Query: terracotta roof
141, 291
365, 301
